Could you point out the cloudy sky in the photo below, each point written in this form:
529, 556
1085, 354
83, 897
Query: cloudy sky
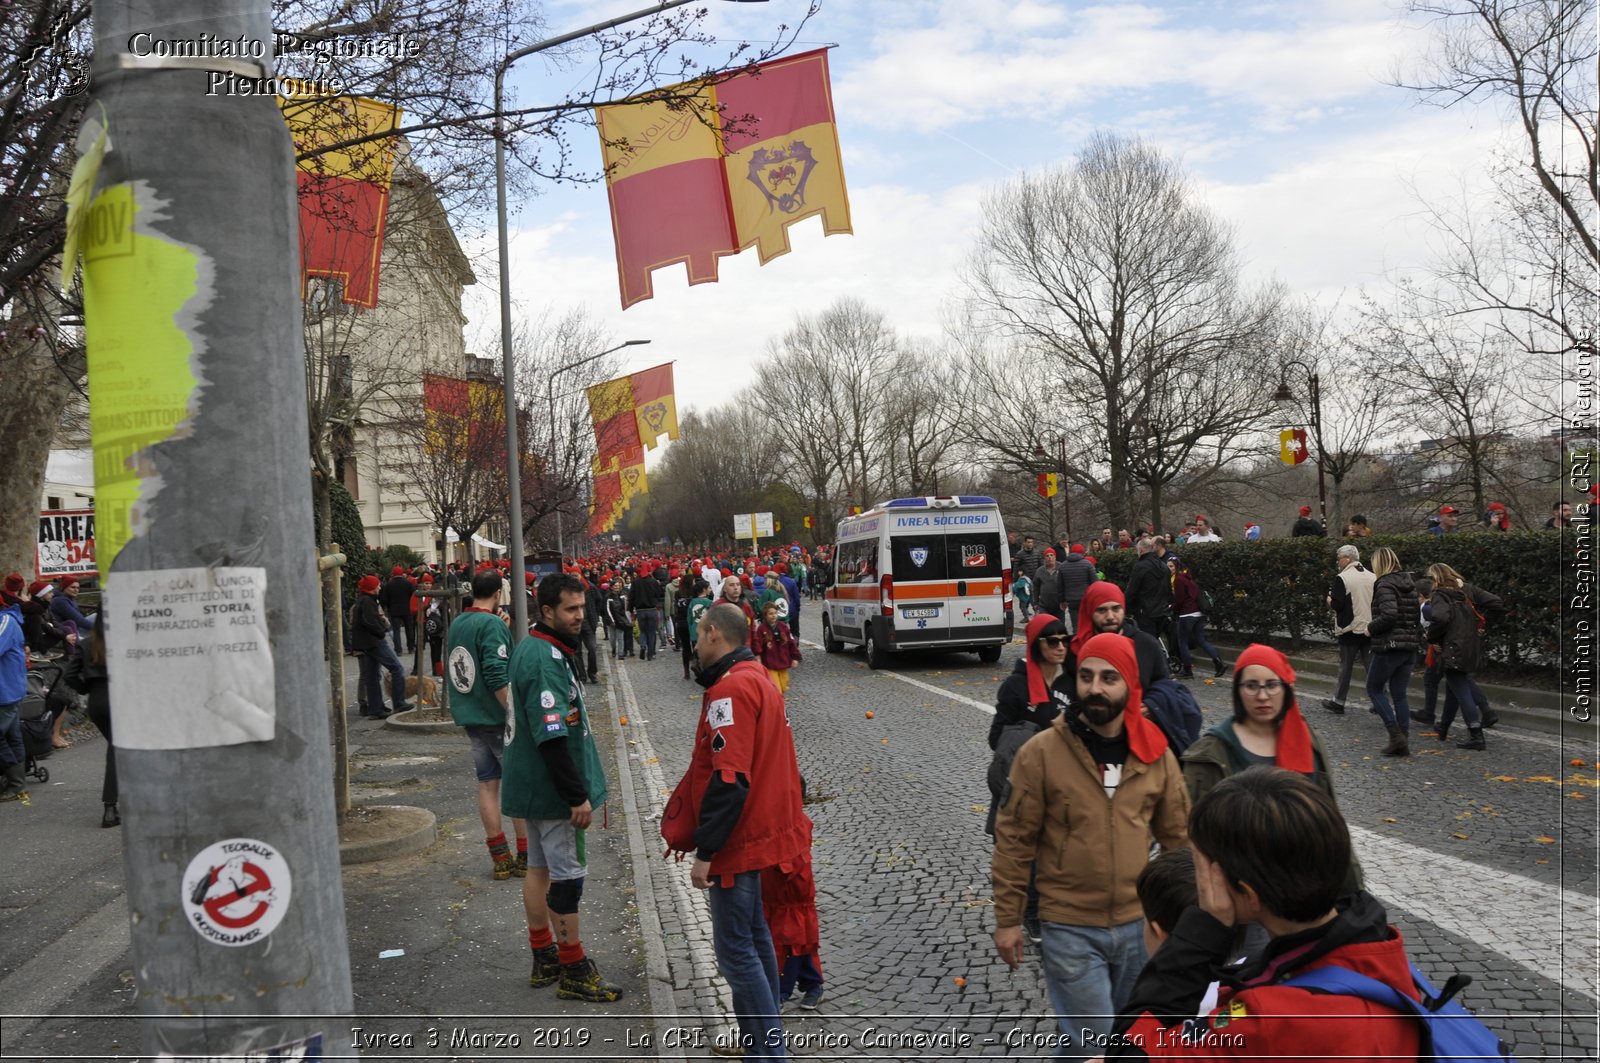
1279, 112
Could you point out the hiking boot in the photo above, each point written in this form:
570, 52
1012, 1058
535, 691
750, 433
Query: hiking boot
1333, 706
1399, 745
503, 869
519, 865
1474, 739
546, 967
1422, 717
583, 981
1490, 717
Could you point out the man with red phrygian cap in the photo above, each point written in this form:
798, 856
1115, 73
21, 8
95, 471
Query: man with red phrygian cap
1083, 800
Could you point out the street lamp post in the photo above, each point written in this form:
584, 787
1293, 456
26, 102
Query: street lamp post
1284, 395
1066, 498
519, 599
550, 396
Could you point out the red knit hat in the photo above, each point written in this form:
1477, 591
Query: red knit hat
1294, 736
1145, 740
1077, 548
14, 583
369, 583
397, 571
1305, 511
39, 585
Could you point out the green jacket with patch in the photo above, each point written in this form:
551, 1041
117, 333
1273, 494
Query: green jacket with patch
547, 703
477, 664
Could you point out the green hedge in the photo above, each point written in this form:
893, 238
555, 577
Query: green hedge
1278, 585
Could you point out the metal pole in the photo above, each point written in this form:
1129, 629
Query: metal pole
550, 393
333, 623
519, 567
213, 187
1316, 426
1066, 497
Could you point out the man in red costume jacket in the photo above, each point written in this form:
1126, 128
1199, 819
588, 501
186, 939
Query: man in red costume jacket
738, 810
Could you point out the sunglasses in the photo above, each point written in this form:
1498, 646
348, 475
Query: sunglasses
1056, 640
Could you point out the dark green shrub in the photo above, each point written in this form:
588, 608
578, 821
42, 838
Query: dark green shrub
1264, 589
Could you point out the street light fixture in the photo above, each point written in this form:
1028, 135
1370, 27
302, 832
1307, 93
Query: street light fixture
1066, 499
550, 396
519, 568
1282, 396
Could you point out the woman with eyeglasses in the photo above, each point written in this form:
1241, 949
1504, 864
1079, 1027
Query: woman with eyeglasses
1025, 704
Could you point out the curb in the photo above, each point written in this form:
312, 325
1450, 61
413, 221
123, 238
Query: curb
411, 829
413, 726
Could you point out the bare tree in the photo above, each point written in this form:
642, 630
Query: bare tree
923, 413
1449, 380
1109, 271
455, 460
792, 389
1529, 268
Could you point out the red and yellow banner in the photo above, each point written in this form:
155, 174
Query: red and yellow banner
633, 411
1292, 448
761, 154
464, 419
344, 193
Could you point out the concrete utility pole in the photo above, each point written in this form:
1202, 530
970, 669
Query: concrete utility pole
213, 177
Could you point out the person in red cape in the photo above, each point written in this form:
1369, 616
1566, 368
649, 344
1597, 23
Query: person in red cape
1082, 803
738, 809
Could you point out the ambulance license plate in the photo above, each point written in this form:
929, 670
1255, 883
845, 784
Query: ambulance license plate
919, 612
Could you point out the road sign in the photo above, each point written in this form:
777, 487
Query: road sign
752, 525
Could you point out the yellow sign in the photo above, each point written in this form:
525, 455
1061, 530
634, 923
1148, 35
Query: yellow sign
137, 288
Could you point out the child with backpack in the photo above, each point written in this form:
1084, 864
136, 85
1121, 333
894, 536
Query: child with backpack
1270, 847
1022, 591
776, 647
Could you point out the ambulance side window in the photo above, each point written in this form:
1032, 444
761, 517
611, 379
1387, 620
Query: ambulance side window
917, 557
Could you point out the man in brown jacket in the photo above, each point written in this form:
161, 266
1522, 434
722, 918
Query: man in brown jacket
1084, 798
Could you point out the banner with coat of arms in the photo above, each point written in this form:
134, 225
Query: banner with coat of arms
754, 154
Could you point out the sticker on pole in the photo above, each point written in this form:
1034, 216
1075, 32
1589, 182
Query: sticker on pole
236, 892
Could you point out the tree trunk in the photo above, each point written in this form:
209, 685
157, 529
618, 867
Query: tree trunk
37, 392
1155, 508
1336, 521
322, 493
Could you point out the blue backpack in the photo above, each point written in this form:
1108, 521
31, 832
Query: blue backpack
1175, 711
1449, 1031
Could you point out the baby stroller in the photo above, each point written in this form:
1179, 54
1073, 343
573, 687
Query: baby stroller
44, 701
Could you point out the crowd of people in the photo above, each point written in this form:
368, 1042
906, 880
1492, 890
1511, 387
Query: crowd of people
1255, 885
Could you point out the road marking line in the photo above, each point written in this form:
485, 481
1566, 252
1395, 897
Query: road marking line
1443, 889
1428, 884
919, 683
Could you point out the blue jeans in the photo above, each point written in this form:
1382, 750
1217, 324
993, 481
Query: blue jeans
397, 624
1089, 972
1192, 634
12, 751
383, 657
747, 962
1391, 670
1461, 692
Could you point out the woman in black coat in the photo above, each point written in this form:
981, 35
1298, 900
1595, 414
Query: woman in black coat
1458, 614
1396, 631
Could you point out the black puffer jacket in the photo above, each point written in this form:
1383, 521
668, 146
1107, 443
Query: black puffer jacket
1076, 575
1454, 625
1149, 590
1396, 614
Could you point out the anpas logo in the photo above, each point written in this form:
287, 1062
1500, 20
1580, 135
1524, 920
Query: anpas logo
919, 555
973, 616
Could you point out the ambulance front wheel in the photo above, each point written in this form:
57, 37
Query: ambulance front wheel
829, 643
989, 654
876, 657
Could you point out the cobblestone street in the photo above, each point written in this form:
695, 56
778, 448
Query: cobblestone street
1485, 860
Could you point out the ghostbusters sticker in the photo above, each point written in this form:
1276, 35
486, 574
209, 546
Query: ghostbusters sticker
236, 892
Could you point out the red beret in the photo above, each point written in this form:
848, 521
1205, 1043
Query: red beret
1305, 511
397, 571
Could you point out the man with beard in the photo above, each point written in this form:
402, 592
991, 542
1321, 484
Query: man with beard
1104, 609
1082, 803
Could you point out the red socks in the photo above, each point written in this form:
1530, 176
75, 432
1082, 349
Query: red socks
522, 846
498, 850
540, 938
570, 954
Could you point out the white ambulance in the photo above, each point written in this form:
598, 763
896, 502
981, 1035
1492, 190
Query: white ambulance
921, 573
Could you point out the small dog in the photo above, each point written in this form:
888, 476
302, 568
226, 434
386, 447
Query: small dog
422, 690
